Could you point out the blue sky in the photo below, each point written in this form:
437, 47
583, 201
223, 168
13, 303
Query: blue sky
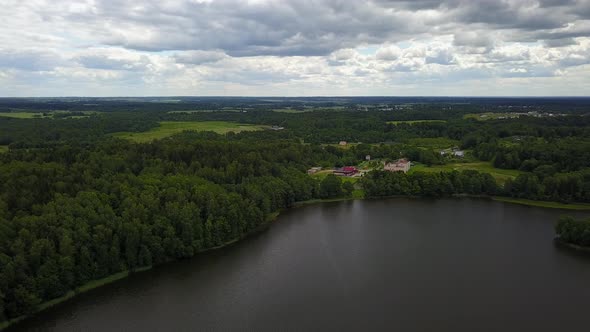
294, 47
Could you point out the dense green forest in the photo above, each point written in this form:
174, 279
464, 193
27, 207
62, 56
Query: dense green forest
77, 204
576, 232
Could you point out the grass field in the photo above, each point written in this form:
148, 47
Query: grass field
415, 121
3, 148
205, 111
545, 204
322, 174
288, 110
24, 115
501, 175
169, 128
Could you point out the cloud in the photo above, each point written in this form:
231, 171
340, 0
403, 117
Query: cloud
441, 57
330, 46
30, 60
198, 57
97, 61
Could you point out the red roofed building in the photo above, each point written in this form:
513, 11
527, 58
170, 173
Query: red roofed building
346, 171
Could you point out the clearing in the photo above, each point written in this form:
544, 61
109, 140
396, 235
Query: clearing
169, 128
501, 175
416, 121
25, 115
3, 148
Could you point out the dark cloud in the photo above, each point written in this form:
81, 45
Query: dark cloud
198, 57
184, 43
295, 27
552, 43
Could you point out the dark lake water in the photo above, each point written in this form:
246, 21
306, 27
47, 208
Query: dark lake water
390, 265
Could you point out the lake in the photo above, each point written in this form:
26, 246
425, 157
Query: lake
395, 264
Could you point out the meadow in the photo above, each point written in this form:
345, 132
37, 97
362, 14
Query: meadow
501, 175
416, 121
169, 128
25, 115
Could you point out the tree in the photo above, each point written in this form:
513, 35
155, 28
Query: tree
331, 186
347, 188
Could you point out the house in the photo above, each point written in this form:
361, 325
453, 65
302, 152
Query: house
346, 171
368, 157
342, 143
459, 153
400, 165
313, 170
277, 128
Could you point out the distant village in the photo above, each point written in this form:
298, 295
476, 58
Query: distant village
399, 165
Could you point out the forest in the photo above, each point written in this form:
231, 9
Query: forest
78, 204
572, 231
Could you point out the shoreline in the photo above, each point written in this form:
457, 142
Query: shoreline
543, 204
97, 283
94, 284
580, 249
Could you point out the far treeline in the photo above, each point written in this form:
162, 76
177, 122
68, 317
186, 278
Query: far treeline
77, 204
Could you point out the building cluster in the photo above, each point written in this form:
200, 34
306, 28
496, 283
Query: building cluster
346, 171
313, 170
453, 152
400, 165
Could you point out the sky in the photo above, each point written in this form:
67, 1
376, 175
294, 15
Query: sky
294, 48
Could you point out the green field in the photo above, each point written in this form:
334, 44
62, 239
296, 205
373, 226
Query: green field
545, 204
416, 121
3, 148
25, 115
169, 128
205, 111
501, 175
288, 110
323, 173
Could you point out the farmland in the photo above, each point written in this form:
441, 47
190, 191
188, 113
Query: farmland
415, 121
24, 115
501, 175
169, 128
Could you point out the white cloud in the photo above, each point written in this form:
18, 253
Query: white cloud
272, 47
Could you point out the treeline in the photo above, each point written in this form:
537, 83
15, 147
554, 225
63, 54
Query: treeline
566, 188
538, 155
25, 133
70, 214
442, 184
576, 232
560, 187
